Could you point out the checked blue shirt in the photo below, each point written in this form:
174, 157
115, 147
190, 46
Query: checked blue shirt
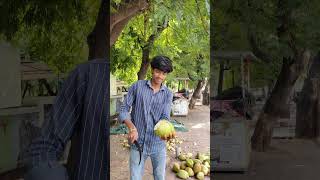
147, 108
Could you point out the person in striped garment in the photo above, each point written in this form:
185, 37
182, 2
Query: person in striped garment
81, 109
149, 102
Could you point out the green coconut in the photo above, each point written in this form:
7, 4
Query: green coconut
183, 174
190, 171
200, 175
201, 157
206, 163
182, 157
190, 163
197, 161
206, 158
176, 167
205, 170
189, 155
183, 165
163, 129
197, 168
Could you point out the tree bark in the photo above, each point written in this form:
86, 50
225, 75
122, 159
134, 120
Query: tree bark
124, 13
204, 24
196, 93
206, 95
307, 121
98, 39
256, 50
98, 44
290, 72
98, 48
145, 63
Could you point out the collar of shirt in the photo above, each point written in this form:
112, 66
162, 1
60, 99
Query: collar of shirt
162, 88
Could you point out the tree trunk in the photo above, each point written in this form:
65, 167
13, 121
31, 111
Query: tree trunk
196, 93
144, 64
98, 39
290, 72
307, 121
221, 75
147, 48
98, 44
206, 96
98, 48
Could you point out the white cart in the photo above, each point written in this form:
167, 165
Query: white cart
230, 134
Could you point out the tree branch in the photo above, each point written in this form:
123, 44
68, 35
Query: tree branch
252, 38
283, 30
117, 29
127, 10
256, 50
155, 35
205, 27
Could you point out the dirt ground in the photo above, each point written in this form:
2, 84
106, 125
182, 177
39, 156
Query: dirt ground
197, 139
294, 159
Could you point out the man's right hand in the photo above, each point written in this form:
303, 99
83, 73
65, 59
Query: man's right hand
133, 135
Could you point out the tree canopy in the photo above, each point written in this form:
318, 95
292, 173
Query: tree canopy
271, 29
53, 32
181, 30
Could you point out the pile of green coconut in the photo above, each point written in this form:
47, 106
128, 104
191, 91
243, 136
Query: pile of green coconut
197, 167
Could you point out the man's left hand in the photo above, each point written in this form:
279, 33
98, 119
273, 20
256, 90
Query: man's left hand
171, 136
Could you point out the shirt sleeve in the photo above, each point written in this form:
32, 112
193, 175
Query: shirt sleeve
124, 113
64, 115
167, 107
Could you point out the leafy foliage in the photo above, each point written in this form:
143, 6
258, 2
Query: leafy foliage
54, 32
275, 26
185, 39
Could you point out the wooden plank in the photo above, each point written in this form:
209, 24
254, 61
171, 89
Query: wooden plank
38, 100
37, 70
36, 76
18, 110
116, 96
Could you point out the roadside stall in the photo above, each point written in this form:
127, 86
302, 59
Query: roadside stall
230, 133
180, 106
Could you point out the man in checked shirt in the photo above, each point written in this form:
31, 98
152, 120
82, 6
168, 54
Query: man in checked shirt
149, 101
80, 110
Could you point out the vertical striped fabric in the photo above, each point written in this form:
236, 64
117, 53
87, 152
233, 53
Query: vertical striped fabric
81, 107
147, 109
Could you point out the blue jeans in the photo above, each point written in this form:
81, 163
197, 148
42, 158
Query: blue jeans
47, 171
158, 160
